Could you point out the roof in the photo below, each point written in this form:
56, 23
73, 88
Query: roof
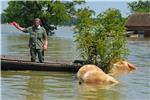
138, 19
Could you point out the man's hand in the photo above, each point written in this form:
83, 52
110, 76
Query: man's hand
46, 45
15, 24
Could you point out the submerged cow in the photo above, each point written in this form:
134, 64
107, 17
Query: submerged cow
121, 67
92, 74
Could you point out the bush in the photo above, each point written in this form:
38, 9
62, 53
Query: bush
102, 39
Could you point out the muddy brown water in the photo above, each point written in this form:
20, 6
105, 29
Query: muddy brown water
32, 85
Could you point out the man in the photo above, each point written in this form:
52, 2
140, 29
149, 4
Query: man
38, 39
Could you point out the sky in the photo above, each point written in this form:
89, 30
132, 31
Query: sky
97, 5
3, 5
100, 6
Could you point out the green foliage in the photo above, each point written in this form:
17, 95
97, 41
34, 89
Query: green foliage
50, 12
85, 39
140, 6
101, 40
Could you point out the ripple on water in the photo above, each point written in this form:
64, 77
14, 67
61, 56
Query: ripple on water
63, 86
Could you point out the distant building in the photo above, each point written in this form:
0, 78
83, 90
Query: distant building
138, 24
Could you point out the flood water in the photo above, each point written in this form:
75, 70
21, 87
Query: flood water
33, 85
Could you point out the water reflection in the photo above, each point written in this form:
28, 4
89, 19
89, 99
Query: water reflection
139, 52
58, 48
88, 92
30, 85
35, 88
38, 85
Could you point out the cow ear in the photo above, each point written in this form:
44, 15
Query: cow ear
131, 66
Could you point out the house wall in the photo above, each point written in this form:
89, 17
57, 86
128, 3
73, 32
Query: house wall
147, 33
140, 30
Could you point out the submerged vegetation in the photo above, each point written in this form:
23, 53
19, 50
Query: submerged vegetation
102, 39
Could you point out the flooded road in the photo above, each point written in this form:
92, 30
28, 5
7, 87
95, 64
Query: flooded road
33, 85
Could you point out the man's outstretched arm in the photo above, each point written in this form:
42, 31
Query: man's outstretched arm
18, 26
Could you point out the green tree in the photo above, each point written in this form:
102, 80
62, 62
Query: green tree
101, 40
139, 6
50, 12
85, 39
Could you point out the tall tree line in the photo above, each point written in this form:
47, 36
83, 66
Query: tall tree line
50, 12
